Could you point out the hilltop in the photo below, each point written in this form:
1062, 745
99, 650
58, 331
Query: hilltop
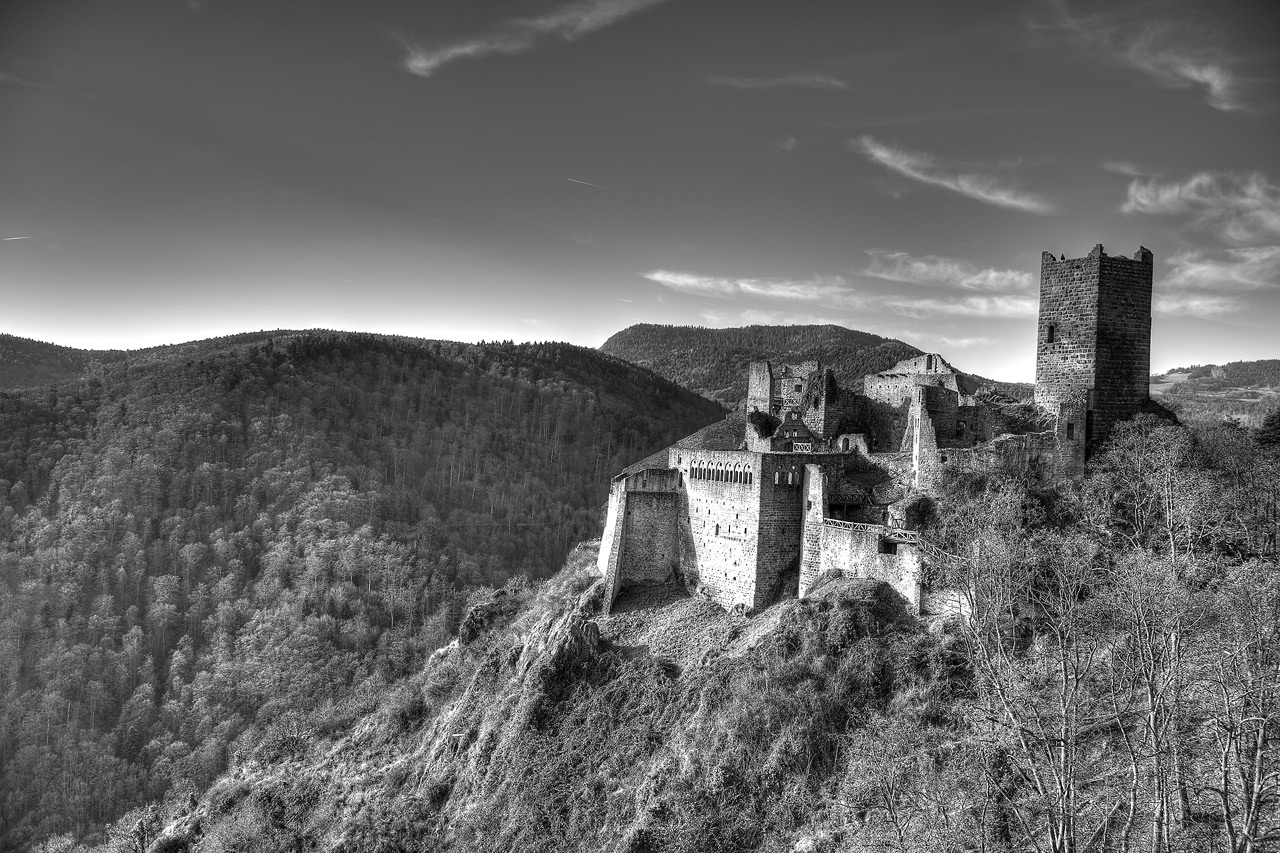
714, 362
199, 547
25, 363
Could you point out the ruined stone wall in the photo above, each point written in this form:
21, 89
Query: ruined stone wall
791, 382
892, 389
812, 516
1035, 453
855, 552
609, 560
759, 387
641, 543
652, 536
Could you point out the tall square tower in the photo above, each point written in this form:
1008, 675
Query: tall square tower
1093, 341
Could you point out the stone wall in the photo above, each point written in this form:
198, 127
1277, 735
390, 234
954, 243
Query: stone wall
641, 543
718, 521
855, 551
812, 513
652, 536
612, 541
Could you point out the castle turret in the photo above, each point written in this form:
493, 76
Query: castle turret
1093, 346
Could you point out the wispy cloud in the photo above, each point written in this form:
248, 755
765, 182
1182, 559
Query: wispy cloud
1124, 167
1180, 55
755, 317
835, 293
519, 35
1240, 208
1002, 306
932, 269
930, 339
831, 290
1206, 305
986, 188
789, 143
802, 81
1237, 270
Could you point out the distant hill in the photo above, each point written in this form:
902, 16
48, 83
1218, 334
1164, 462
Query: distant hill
1243, 391
202, 540
714, 362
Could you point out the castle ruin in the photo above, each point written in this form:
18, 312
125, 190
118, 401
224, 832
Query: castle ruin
812, 480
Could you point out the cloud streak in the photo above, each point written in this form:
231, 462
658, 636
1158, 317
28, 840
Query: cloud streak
935, 270
801, 81
988, 189
1240, 208
1176, 56
834, 292
1003, 306
827, 290
520, 35
1239, 270
1205, 306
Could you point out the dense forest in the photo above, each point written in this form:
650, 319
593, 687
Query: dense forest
1112, 687
714, 362
202, 549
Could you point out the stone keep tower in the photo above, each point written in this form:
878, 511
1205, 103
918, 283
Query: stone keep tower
1093, 345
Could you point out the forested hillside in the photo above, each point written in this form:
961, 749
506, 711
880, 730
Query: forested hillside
199, 550
714, 362
1114, 688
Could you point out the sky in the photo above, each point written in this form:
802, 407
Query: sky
561, 169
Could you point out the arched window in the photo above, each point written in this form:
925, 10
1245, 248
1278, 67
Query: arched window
717, 530
1049, 335
844, 443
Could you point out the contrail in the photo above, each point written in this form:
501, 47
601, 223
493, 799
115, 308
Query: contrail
586, 183
29, 237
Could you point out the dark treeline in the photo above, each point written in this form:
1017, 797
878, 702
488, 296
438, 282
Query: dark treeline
714, 361
197, 552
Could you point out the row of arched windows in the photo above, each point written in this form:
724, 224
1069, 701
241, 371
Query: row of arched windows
721, 473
